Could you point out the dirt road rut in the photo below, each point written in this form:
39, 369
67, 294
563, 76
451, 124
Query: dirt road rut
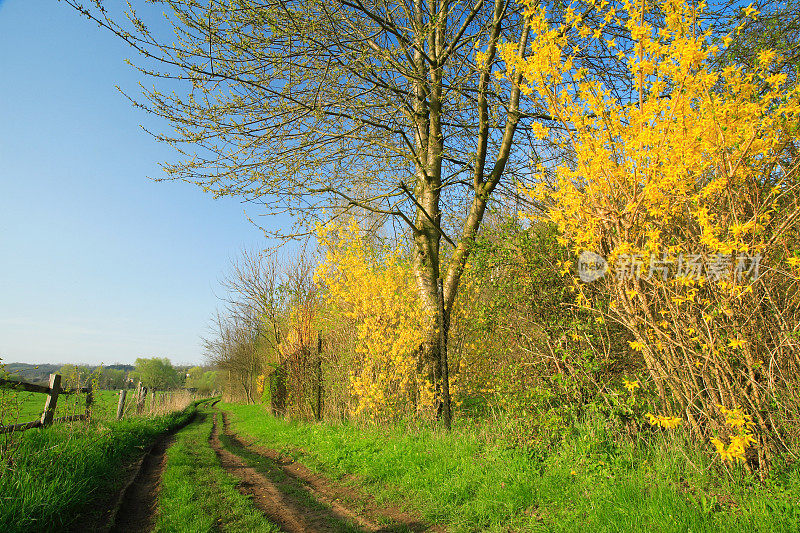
295, 498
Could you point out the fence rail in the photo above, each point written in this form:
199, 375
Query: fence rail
53, 391
33, 387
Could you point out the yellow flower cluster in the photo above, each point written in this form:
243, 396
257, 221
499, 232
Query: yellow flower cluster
656, 163
631, 385
636, 345
375, 288
667, 422
739, 443
687, 172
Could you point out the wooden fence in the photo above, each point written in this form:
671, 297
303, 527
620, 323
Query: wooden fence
138, 399
53, 391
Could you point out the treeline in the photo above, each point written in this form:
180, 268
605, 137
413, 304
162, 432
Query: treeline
154, 373
348, 320
110, 376
338, 335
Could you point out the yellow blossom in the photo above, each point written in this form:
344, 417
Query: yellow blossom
630, 385
736, 343
667, 422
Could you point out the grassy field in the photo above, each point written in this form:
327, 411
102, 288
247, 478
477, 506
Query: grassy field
54, 474
197, 494
470, 481
18, 407
466, 480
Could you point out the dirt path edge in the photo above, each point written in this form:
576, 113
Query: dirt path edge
152, 459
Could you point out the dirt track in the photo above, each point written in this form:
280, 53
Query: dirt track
137, 509
288, 493
297, 499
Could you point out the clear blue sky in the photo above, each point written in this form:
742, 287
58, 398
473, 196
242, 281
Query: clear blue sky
97, 262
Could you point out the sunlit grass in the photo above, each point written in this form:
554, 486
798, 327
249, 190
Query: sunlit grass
470, 480
54, 474
19, 406
197, 494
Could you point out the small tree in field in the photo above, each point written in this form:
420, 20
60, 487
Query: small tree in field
689, 186
156, 373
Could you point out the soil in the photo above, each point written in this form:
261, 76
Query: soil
340, 503
137, 510
288, 493
135, 506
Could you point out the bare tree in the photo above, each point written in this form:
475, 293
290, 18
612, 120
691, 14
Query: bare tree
267, 325
235, 348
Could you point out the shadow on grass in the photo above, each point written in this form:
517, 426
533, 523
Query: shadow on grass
300, 497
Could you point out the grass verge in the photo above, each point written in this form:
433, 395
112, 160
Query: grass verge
60, 473
197, 494
469, 480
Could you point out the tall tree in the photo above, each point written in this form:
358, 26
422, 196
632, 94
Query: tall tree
326, 106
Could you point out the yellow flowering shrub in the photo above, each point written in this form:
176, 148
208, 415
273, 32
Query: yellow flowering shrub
741, 440
667, 422
695, 175
376, 290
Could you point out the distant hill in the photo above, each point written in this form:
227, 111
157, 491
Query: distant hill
31, 373
41, 373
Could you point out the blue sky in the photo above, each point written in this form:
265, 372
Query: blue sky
97, 262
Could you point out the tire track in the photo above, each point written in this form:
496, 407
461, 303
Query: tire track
137, 505
281, 500
297, 499
137, 509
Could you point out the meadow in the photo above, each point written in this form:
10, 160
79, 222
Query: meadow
20, 406
470, 479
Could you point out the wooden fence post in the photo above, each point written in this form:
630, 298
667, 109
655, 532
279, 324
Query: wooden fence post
121, 404
89, 401
140, 398
52, 398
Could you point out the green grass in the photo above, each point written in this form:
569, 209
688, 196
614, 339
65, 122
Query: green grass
197, 494
19, 406
57, 473
469, 480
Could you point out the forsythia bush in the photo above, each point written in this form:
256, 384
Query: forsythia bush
375, 289
689, 189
